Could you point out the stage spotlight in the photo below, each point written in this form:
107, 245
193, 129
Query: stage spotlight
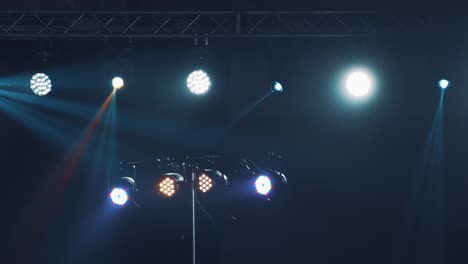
263, 184
119, 196
205, 183
262, 179
277, 88
118, 83
359, 84
168, 184
209, 179
444, 84
40, 84
198, 82
123, 190
167, 187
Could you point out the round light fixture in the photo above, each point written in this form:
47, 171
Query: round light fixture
118, 83
277, 88
41, 84
198, 82
263, 184
167, 187
205, 183
119, 196
444, 84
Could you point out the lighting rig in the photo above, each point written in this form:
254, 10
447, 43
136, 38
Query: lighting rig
203, 176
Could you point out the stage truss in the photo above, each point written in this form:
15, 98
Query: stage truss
225, 24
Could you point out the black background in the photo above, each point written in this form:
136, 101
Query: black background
350, 166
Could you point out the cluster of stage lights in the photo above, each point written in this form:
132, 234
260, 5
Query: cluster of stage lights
167, 187
205, 183
359, 83
198, 82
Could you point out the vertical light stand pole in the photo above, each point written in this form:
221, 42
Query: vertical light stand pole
193, 215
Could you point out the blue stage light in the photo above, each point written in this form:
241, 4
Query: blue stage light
119, 196
263, 185
277, 87
444, 84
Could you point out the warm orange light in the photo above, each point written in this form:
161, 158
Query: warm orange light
204, 183
167, 187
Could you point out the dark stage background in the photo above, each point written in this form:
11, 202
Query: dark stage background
351, 167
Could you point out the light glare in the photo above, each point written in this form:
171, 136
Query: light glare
359, 84
119, 196
198, 82
277, 87
263, 185
117, 83
444, 84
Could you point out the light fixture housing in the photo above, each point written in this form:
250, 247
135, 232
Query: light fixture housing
262, 181
277, 87
210, 179
123, 191
167, 185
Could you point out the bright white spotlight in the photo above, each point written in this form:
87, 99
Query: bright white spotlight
359, 84
263, 184
40, 84
119, 196
198, 82
118, 83
444, 84
277, 88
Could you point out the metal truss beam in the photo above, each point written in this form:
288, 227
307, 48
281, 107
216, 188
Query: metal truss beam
103, 24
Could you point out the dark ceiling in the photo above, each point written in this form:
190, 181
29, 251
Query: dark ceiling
241, 5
